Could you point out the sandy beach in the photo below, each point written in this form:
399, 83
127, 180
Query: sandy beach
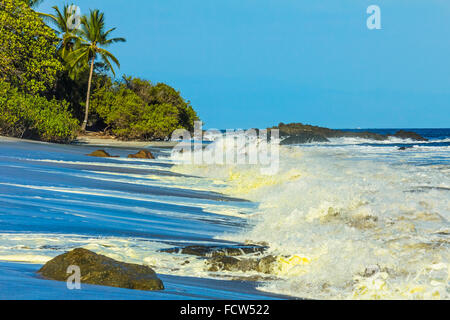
108, 141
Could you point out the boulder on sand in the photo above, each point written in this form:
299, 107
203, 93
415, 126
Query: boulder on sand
101, 270
142, 154
100, 154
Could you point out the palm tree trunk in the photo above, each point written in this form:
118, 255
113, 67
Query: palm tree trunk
86, 112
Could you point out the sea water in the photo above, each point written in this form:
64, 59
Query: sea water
352, 218
347, 219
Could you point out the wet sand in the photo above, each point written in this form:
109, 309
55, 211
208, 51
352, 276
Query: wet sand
28, 285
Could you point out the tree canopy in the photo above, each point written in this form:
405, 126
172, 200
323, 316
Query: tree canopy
137, 109
28, 58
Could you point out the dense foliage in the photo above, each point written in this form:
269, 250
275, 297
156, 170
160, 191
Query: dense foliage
136, 109
31, 116
28, 57
48, 77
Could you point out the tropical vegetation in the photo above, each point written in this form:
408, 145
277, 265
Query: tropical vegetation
136, 109
58, 78
32, 116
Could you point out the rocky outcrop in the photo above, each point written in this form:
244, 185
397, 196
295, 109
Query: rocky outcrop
226, 263
101, 154
306, 137
101, 270
242, 258
402, 134
217, 251
142, 154
298, 133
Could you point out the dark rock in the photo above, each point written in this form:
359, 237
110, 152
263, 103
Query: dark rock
371, 270
265, 265
142, 154
405, 148
363, 135
101, 154
225, 263
100, 270
402, 134
217, 251
296, 133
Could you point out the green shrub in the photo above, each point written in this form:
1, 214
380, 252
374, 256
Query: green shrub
155, 122
136, 109
27, 116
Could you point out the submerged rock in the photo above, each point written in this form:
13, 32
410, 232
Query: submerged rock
243, 258
402, 134
217, 251
226, 263
142, 154
101, 270
234, 258
404, 148
100, 154
371, 270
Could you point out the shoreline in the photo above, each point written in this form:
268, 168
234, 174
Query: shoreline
100, 142
64, 181
88, 218
112, 142
176, 287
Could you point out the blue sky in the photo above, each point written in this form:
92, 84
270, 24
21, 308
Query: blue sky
255, 63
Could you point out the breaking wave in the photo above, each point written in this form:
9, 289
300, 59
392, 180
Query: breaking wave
348, 221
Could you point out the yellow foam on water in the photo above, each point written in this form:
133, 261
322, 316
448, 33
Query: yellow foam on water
417, 290
292, 264
294, 260
377, 287
243, 182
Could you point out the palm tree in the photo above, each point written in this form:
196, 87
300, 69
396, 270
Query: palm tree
68, 36
92, 37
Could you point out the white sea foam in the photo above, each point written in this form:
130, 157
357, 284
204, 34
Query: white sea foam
343, 220
346, 225
40, 248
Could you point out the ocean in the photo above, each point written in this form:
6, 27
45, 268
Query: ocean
346, 219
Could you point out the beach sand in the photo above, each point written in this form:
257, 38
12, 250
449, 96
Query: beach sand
18, 281
109, 141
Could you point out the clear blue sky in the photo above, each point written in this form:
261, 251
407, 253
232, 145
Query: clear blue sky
255, 63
